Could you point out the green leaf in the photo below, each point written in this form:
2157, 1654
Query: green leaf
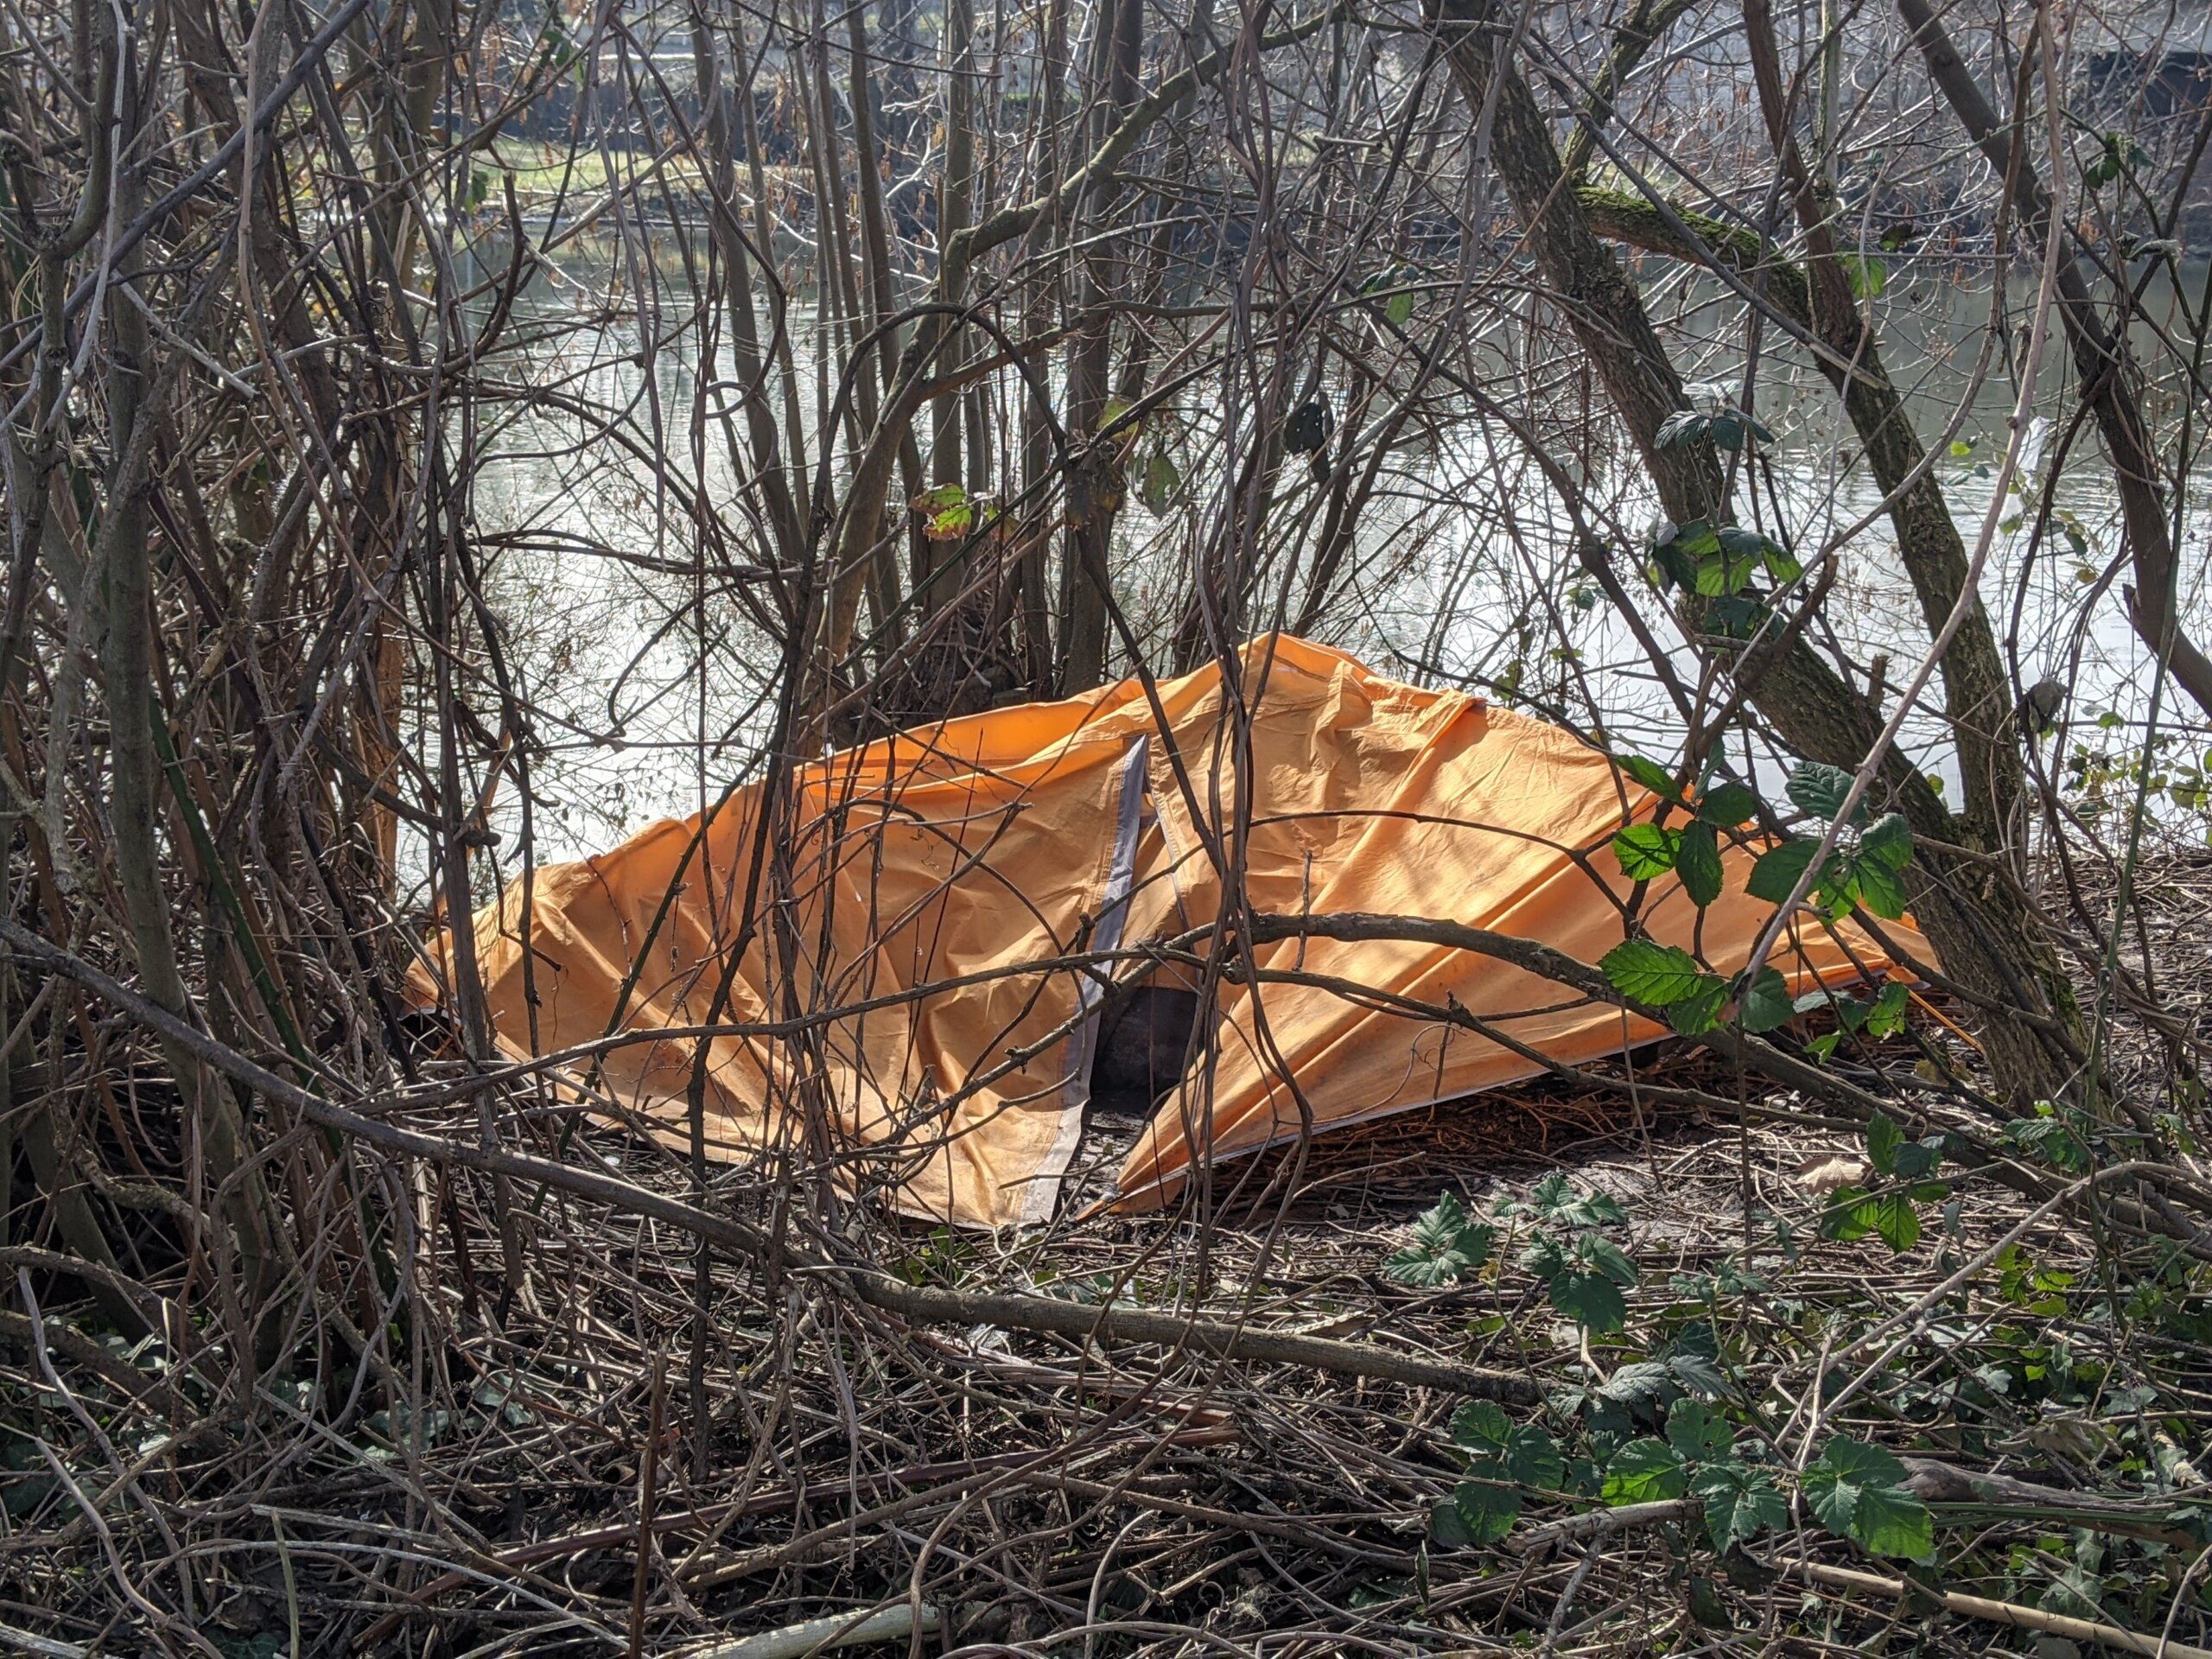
1844, 1217
1399, 309
1592, 1300
1697, 860
1705, 1605
1413, 1266
1850, 1011
1552, 1194
1875, 885
1738, 617
1698, 1434
1697, 538
1641, 1382
1535, 1460
1834, 1481
1499, 1448
1741, 542
1487, 1512
1919, 1158
1895, 1220
1716, 577
1445, 1526
1853, 1212
1557, 1199
1741, 1503
1696, 1015
1887, 842
1892, 1521
1819, 789
1546, 1257
1643, 1471
1658, 975
1699, 1375
1603, 1256
1680, 430
1887, 1016
1857, 1491
1482, 1426
1775, 876
948, 513
1645, 850
1868, 278
1727, 430
1884, 1137
1161, 482
1653, 776
1447, 1246
1728, 805
1765, 1003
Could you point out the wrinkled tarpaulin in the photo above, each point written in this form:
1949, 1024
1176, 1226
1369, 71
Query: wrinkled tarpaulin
933, 1019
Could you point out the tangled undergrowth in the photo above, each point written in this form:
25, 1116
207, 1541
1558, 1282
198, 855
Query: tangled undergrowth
1785, 1383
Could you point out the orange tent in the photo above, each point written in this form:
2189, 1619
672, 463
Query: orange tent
917, 1011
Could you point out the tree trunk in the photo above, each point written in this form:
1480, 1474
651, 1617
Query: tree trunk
1981, 930
2112, 382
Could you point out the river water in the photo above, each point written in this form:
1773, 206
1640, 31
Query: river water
588, 548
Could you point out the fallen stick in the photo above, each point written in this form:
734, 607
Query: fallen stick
1957, 1495
2006, 1612
892, 1623
1603, 1523
1046, 1313
16, 1641
568, 1545
1006, 1310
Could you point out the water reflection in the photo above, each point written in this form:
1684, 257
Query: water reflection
647, 681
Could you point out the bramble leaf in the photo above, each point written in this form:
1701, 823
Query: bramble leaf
1819, 789
1643, 1471
1765, 1003
1698, 1434
1884, 1137
1653, 776
1447, 1246
1557, 1199
1857, 1491
1728, 805
1886, 1019
1645, 850
1697, 860
1591, 1300
1161, 480
1741, 1503
1696, 1015
1486, 1511
1776, 872
1659, 975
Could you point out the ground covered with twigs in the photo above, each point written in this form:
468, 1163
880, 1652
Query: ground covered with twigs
1768, 1381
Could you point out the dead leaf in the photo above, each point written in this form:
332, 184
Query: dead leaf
1829, 1171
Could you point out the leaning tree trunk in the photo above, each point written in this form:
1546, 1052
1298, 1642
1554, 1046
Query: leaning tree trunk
1980, 924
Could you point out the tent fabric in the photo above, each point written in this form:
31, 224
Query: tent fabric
917, 1016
